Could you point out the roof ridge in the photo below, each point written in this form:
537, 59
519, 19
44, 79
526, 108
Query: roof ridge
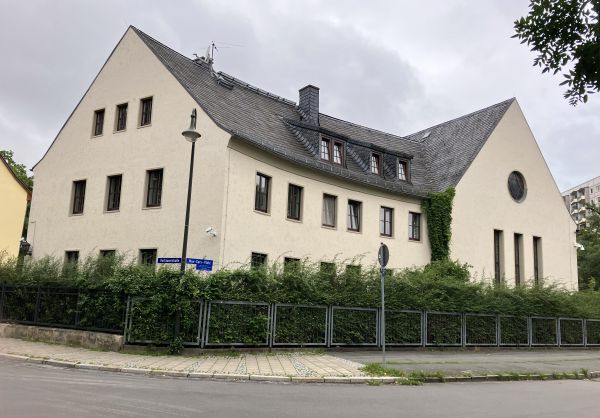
463, 116
369, 128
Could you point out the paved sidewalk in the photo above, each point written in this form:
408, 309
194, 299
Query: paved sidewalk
294, 366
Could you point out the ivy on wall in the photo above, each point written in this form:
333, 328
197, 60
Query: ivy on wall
438, 209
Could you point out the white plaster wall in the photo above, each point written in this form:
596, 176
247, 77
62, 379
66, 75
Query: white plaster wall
131, 73
483, 203
249, 231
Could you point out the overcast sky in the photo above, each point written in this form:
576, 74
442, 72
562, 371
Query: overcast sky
398, 66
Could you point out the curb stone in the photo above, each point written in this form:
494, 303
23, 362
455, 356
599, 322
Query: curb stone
298, 379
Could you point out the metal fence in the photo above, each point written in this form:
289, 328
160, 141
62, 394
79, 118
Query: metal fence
152, 320
86, 309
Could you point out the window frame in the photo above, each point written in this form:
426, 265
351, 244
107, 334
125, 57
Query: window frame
267, 193
406, 165
256, 255
300, 191
95, 131
154, 205
290, 263
108, 253
74, 197
68, 258
142, 121
375, 157
537, 260
154, 256
498, 255
358, 216
336, 145
335, 210
326, 148
383, 221
107, 206
118, 127
331, 146
518, 258
412, 228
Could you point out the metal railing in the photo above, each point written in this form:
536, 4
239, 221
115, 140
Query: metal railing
152, 320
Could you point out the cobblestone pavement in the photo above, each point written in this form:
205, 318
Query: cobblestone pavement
296, 364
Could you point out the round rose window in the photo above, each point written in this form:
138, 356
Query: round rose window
516, 186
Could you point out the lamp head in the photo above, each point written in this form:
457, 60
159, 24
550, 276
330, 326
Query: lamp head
191, 134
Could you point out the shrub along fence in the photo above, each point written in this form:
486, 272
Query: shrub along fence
218, 323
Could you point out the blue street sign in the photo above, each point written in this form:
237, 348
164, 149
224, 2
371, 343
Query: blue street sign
194, 260
169, 261
206, 265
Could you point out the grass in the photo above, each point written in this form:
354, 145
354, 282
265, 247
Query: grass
410, 379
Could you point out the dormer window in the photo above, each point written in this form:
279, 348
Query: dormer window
402, 170
375, 164
325, 154
332, 151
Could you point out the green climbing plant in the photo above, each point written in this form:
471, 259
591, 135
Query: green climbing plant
438, 209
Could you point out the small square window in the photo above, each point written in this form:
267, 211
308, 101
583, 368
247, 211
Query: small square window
148, 256
327, 268
290, 264
71, 257
146, 111
98, 122
258, 260
121, 122
329, 210
107, 253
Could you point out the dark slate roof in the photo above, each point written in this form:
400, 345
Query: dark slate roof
437, 160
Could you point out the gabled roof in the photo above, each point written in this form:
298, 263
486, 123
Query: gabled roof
17, 179
439, 156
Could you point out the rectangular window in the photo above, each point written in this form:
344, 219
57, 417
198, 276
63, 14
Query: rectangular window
327, 268
329, 210
71, 257
114, 193
375, 166
146, 111
414, 226
121, 122
338, 153
537, 260
386, 216
154, 188
294, 202
354, 215
518, 259
148, 257
107, 253
78, 197
290, 264
258, 260
325, 154
402, 170
352, 269
98, 122
261, 197
498, 255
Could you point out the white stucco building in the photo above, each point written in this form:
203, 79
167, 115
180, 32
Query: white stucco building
276, 179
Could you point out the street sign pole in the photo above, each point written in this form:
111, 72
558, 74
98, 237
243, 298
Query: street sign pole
383, 258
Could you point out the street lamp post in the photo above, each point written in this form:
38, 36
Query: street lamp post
191, 134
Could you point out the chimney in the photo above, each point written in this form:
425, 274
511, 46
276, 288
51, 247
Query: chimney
309, 104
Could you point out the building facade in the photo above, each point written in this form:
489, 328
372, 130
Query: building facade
275, 181
578, 198
14, 197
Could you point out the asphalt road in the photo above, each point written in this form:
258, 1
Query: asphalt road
32, 390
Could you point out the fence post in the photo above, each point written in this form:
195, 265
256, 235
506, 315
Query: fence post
37, 306
77, 310
558, 339
498, 332
126, 322
330, 330
2, 291
424, 329
584, 331
463, 330
272, 325
204, 322
529, 331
